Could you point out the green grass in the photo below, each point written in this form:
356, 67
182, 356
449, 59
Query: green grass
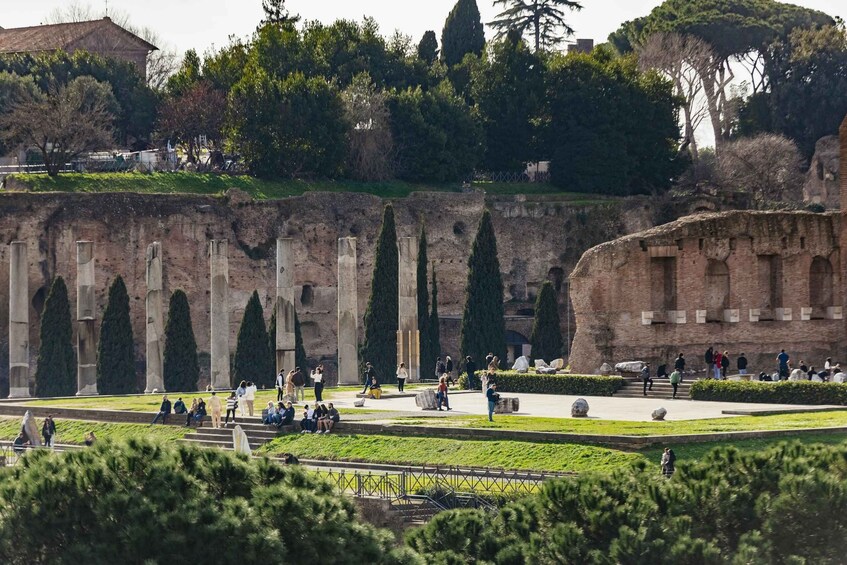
73, 431
216, 185
828, 419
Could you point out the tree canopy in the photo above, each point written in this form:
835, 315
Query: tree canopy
463, 33
544, 20
115, 349
181, 368
55, 373
252, 358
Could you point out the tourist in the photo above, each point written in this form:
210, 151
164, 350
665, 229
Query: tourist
811, 372
280, 385
200, 413
402, 375
269, 416
216, 408
718, 361
318, 377
662, 371
231, 405
827, 366
441, 395
493, 398
470, 369
440, 369
741, 363
646, 379
319, 414
782, 364
709, 358
179, 406
307, 421
250, 396
20, 443
241, 393
48, 431
164, 411
332, 418
679, 364
675, 378
191, 412
369, 376
286, 415
374, 389
668, 462
803, 366
299, 384
89, 439
448, 368
489, 358
489, 374
724, 364
289, 387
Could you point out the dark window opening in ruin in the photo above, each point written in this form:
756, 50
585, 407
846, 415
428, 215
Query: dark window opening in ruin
819, 170
663, 283
732, 244
717, 290
770, 285
307, 295
38, 300
802, 243
679, 244
516, 343
643, 245
820, 286
459, 228
785, 243
700, 244
556, 275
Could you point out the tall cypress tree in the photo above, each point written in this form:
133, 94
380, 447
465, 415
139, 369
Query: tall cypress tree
463, 33
546, 337
434, 326
380, 347
252, 358
181, 367
428, 47
55, 374
483, 324
426, 356
115, 351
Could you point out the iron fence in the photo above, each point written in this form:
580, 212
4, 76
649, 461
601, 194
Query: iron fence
509, 176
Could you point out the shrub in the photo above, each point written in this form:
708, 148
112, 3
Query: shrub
785, 392
589, 385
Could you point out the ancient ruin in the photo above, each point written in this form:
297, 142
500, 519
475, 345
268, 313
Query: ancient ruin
86, 313
18, 320
219, 314
408, 336
155, 321
285, 305
348, 312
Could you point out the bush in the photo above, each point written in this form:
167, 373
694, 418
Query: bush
589, 385
785, 392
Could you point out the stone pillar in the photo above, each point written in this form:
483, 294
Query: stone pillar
86, 373
408, 337
842, 165
348, 312
219, 265
155, 320
285, 305
18, 320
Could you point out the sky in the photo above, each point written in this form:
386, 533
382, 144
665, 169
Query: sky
203, 24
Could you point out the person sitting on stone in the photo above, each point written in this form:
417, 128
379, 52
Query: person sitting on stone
270, 412
286, 415
332, 418
90, 438
191, 412
319, 414
810, 372
164, 411
662, 372
803, 366
307, 421
20, 443
179, 406
374, 388
200, 413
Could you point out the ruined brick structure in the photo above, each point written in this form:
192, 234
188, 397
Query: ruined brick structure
751, 282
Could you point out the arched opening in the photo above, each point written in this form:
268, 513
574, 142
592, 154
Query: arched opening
307, 295
556, 275
717, 290
820, 286
515, 345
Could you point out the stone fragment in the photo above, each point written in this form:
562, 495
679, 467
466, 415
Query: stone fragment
558, 363
629, 367
426, 400
579, 409
521, 365
30, 429
541, 364
605, 369
659, 414
240, 443
507, 405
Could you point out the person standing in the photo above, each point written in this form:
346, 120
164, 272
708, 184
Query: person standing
402, 375
216, 408
241, 393
250, 396
48, 431
299, 384
318, 377
231, 405
164, 411
488, 376
280, 385
289, 387
718, 358
470, 369
369, 375
645, 378
493, 398
448, 369
782, 364
709, 358
440, 369
741, 363
441, 396
675, 378
724, 364
489, 358
679, 365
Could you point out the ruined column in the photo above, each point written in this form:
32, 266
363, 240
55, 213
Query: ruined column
842, 165
155, 320
348, 312
408, 337
86, 374
285, 305
219, 266
18, 320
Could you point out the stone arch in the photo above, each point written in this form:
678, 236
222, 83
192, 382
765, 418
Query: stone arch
717, 289
820, 286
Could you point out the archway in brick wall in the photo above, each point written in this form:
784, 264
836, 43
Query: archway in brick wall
717, 289
820, 286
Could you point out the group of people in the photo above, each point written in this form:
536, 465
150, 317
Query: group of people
291, 387
831, 372
717, 363
48, 436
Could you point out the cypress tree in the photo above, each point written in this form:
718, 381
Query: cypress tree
434, 327
463, 33
483, 325
56, 371
546, 337
115, 351
252, 358
426, 356
428, 47
380, 347
181, 367
300, 358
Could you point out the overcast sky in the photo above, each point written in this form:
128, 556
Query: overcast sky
200, 24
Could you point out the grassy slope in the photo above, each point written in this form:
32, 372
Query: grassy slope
73, 431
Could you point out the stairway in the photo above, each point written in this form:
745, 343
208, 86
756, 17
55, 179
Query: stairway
661, 389
414, 510
257, 434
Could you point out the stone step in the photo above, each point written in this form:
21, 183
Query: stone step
227, 432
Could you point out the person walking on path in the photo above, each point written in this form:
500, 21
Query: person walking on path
402, 375
280, 385
645, 378
241, 393
164, 411
493, 398
679, 365
216, 408
675, 378
441, 395
448, 369
440, 369
709, 358
231, 404
250, 396
741, 363
470, 369
489, 375
724, 364
48, 431
370, 376
299, 380
782, 364
289, 387
718, 358
318, 377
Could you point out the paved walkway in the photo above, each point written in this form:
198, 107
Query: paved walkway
556, 406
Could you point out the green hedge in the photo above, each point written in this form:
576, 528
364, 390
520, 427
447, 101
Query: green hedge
784, 392
588, 385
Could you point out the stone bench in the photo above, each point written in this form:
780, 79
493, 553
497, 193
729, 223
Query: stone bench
507, 405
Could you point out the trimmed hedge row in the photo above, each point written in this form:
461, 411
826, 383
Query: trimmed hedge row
783, 392
588, 385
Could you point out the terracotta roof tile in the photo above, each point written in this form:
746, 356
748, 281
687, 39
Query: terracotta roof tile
56, 36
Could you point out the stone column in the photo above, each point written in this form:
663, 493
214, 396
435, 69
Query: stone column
155, 320
285, 305
219, 265
86, 374
842, 165
348, 312
18, 320
408, 337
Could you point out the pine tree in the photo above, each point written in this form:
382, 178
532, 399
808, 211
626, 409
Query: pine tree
463, 33
181, 367
428, 47
434, 327
380, 347
426, 357
252, 358
300, 359
544, 19
483, 324
56, 371
546, 337
115, 351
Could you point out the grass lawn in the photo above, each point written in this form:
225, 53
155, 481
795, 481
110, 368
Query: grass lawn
73, 431
833, 418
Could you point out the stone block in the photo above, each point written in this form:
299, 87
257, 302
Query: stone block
805, 314
834, 313
646, 318
732, 316
782, 314
579, 409
507, 405
30, 429
700, 316
558, 363
605, 369
659, 414
426, 400
754, 314
521, 365
677, 317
